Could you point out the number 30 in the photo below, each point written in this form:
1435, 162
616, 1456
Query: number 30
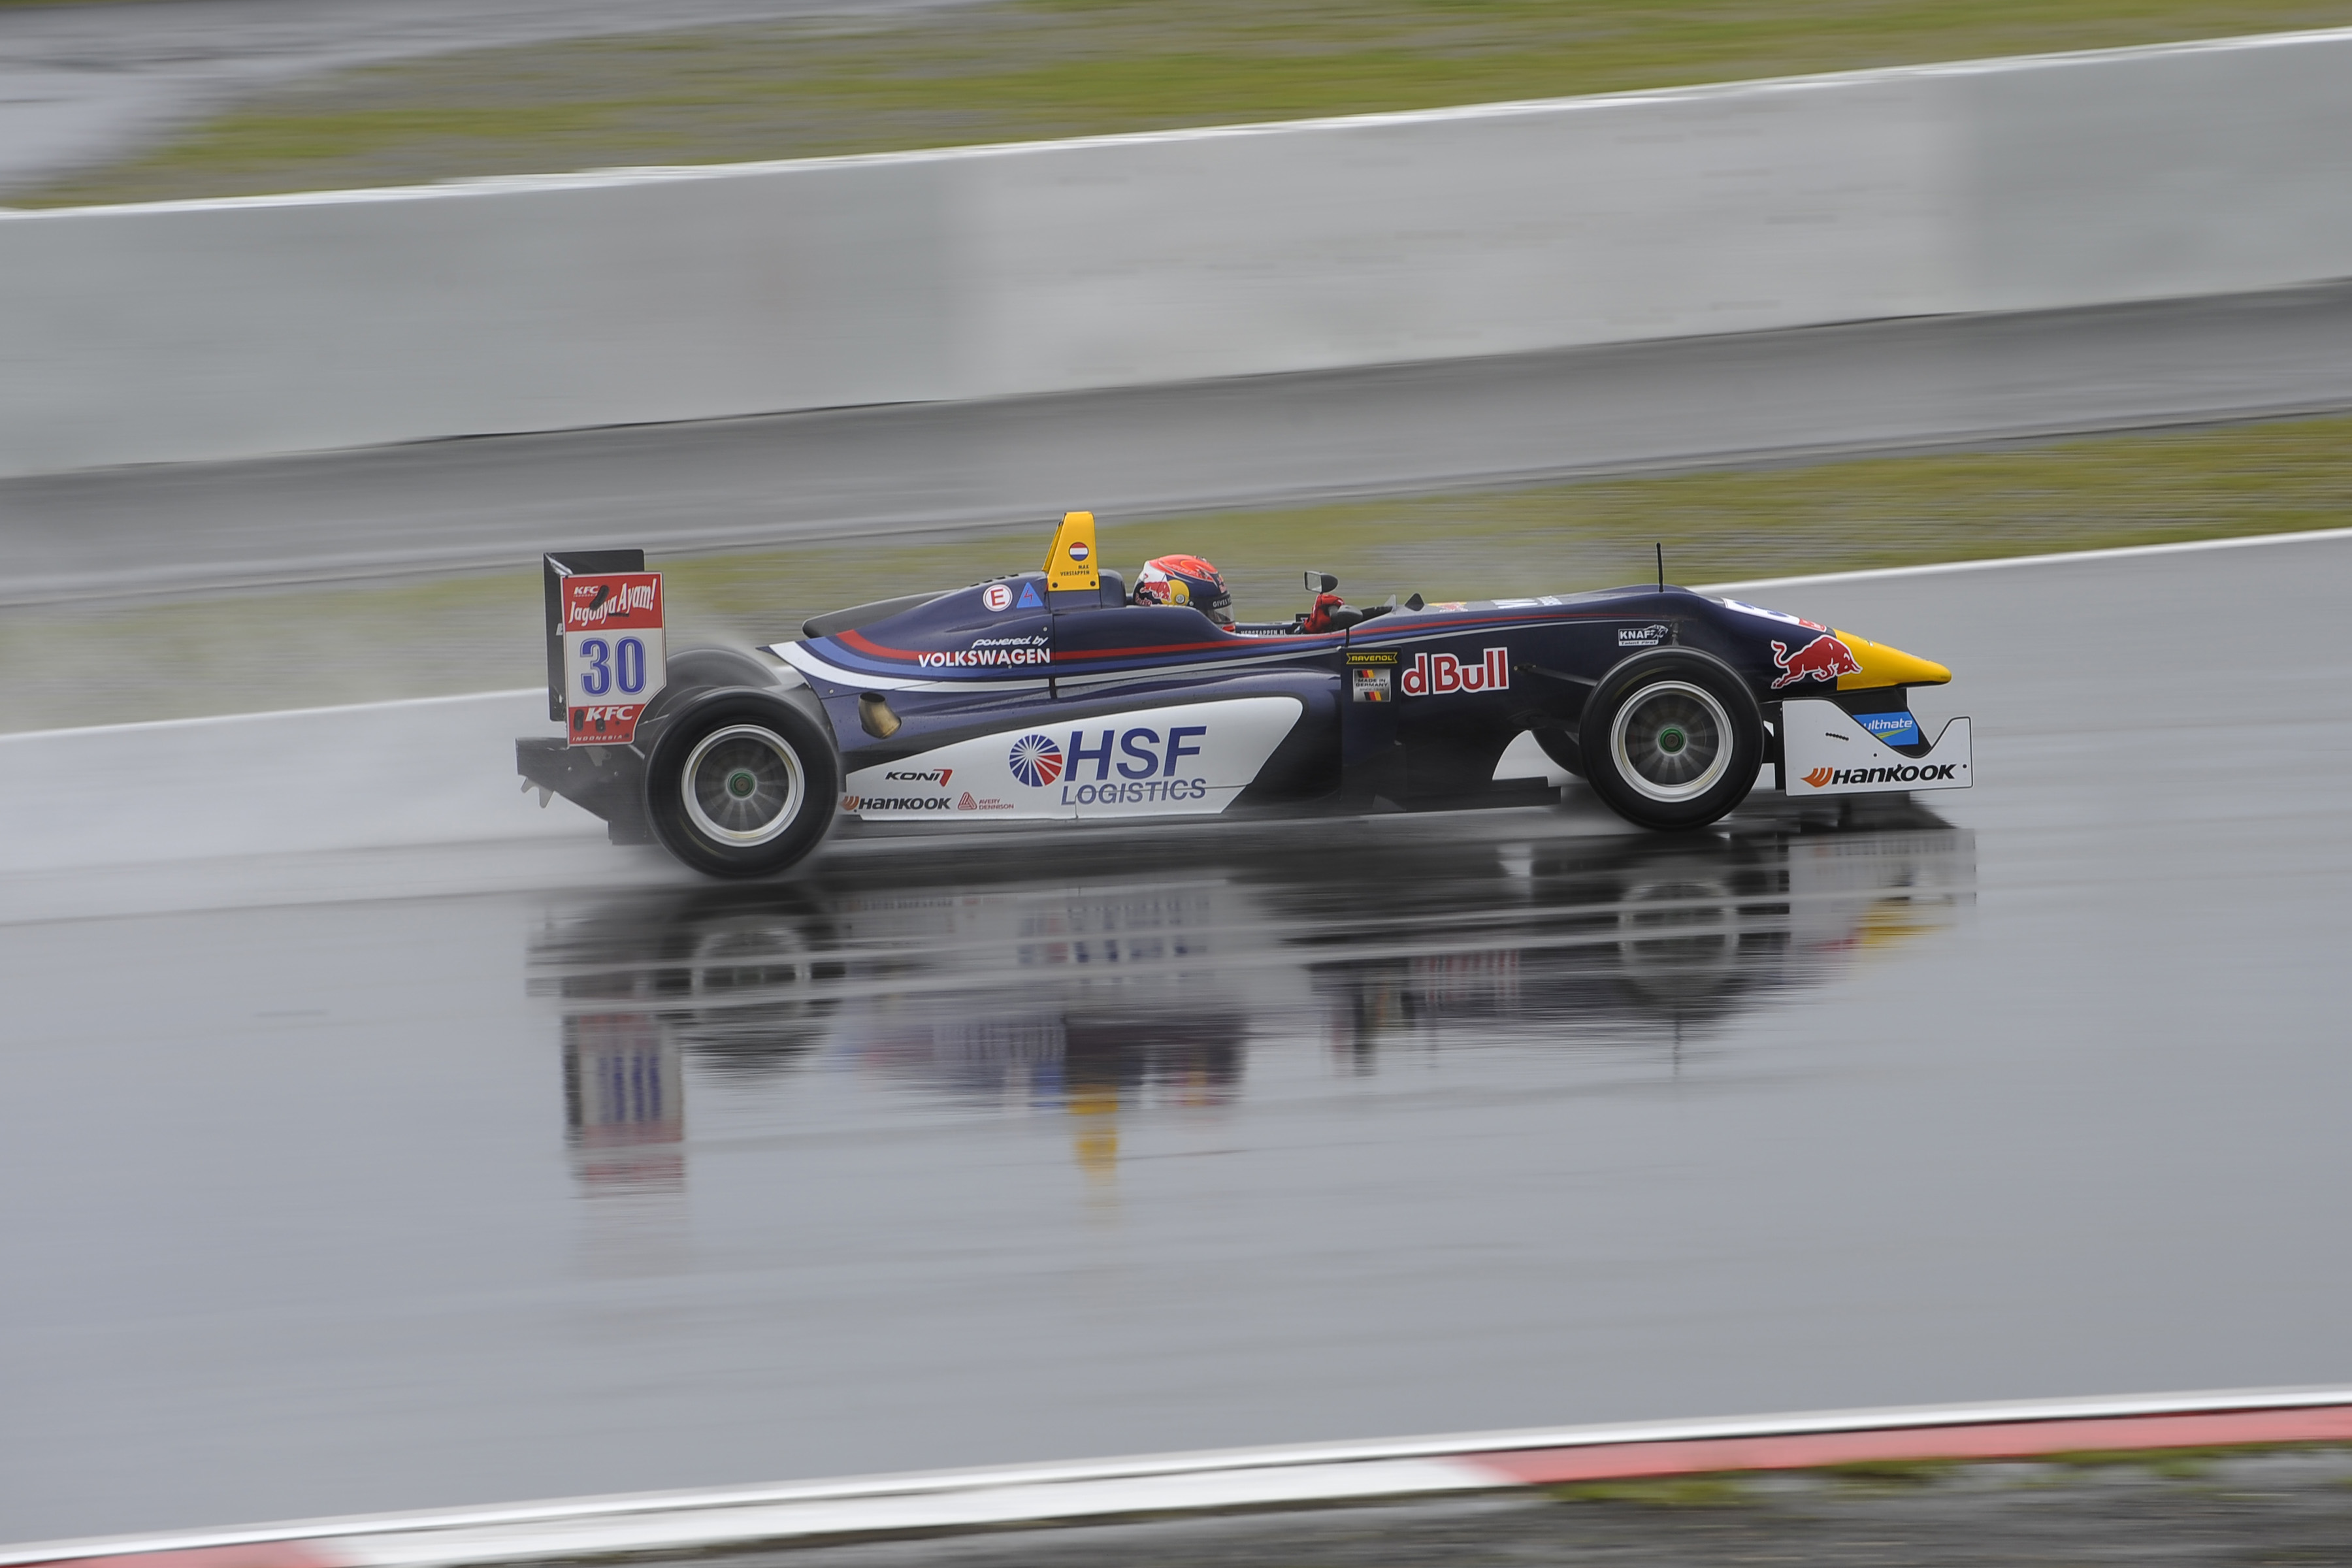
597, 679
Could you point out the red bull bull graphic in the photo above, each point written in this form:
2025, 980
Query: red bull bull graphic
1823, 659
1441, 674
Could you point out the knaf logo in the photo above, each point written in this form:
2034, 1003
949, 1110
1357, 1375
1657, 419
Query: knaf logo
1437, 674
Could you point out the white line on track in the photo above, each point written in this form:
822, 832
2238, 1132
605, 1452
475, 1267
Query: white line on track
1231, 1479
2059, 558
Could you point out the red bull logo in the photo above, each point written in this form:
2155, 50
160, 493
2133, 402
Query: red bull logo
1823, 659
1437, 674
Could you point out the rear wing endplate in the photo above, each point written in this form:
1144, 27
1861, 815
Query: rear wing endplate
606, 656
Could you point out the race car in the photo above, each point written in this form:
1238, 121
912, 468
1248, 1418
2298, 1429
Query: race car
1053, 696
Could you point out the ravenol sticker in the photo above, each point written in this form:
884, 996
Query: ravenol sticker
1035, 761
1895, 729
1372, 656
999, 596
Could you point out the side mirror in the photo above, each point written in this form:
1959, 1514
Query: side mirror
1321, 582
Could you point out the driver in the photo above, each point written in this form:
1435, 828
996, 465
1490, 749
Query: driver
1185, 580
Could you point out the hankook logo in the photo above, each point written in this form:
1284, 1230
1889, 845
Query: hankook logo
1822, 778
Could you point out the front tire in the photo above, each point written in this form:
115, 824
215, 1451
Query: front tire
740, 784
1671, 739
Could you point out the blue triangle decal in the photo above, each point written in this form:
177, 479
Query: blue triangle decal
1029, 600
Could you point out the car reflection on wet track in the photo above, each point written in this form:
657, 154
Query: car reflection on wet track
1028, 983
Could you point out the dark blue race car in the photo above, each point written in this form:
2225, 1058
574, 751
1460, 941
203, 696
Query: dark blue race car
1054, 695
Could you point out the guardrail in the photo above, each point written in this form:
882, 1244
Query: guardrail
208, 329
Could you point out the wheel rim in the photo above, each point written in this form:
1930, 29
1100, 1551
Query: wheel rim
1671, 741
743, 785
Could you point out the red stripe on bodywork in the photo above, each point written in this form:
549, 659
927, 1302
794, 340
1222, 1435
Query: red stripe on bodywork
259, 1555
1232, 644
864, 644
2004, 1440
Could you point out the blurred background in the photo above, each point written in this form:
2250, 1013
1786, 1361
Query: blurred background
437, 1167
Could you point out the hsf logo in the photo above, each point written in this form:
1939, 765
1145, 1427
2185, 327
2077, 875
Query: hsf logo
1035, 761
1438, 673
1146, 764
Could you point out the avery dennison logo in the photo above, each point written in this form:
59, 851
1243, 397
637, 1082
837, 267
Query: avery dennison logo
1822, 778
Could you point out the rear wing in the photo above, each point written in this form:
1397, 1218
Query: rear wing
606, 656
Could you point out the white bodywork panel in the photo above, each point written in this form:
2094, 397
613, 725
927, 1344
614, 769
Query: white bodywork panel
1183, 760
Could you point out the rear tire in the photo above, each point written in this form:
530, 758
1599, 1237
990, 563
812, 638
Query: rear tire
1671, 739
740, 784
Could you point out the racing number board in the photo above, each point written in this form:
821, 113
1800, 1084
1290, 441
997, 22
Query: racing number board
614, 656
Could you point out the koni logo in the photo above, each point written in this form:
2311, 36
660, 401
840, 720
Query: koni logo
1437, 674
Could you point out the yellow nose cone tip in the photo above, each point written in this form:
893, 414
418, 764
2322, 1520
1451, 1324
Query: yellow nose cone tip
1884, 666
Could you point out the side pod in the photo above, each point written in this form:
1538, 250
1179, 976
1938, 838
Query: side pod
1825, 750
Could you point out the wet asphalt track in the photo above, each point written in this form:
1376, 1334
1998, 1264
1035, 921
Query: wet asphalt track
1044, 1147
916, 469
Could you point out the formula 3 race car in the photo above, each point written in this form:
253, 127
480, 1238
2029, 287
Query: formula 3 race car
1047, 696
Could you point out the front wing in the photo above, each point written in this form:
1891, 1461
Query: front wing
1824, 750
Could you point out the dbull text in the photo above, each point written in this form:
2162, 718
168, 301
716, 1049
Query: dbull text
1437, 674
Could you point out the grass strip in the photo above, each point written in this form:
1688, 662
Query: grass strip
1026, 70
85, 664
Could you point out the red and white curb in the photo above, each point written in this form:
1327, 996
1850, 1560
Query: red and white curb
1232, 1479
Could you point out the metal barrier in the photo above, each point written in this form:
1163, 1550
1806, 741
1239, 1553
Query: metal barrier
206, 329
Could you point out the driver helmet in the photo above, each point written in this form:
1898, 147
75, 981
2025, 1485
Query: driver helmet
1185, 580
